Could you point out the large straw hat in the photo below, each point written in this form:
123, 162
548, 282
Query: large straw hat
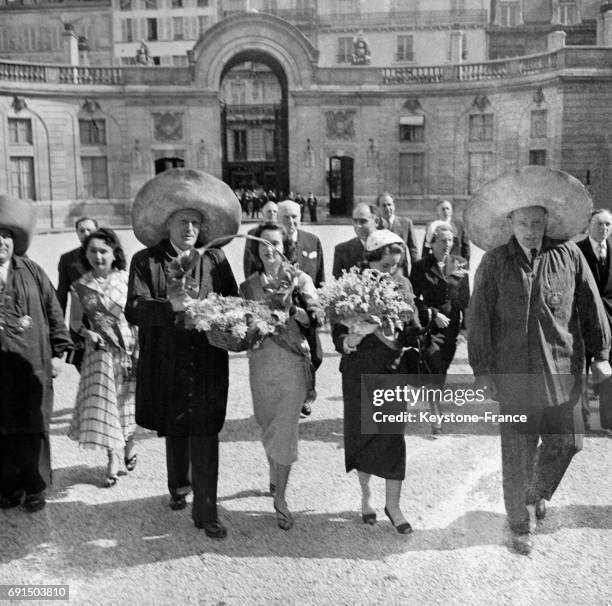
180, 189
18, 216
567, 201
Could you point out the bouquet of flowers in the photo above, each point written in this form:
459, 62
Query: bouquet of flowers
178, 272
233, 323
367, 300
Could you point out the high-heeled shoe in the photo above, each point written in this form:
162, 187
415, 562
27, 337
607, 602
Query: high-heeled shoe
283, 520
403, 528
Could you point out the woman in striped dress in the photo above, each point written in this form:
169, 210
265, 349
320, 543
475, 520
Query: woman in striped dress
104, 414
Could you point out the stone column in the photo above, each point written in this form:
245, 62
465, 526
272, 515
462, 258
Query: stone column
604, 36
71, 45
456, 54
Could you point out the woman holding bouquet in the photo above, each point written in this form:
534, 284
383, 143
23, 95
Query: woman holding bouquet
280, 369
104, 412
370, 350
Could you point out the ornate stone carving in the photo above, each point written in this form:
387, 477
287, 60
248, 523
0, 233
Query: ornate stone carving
361, 50
413, 105
538, 96
481, 102
168, 126
91, 106
340, 124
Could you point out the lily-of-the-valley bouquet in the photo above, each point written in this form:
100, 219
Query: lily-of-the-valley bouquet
365, 301
233, 323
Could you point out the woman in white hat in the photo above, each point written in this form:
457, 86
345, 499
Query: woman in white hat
382, 455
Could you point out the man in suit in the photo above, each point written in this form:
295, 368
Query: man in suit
350, 253
305, 248
270, 215
72, 265
461, 244
402, 226
306, 252
596, 248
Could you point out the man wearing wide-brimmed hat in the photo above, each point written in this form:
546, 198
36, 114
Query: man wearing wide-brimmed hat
534, 308
182, 380
33, 340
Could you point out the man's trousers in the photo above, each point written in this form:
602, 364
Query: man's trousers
531, 472
192, 462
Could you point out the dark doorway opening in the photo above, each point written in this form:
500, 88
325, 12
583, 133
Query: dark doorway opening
254, 123
162, 164
340, 181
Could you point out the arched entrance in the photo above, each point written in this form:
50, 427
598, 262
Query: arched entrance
254, 123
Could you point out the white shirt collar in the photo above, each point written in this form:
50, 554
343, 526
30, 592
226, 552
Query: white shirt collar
527, 251
179, 252
595, 245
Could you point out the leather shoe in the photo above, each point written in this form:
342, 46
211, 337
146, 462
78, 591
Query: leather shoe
34, 502
306, 410
522, 543
540, 509
213, 530
178, 502
12, 500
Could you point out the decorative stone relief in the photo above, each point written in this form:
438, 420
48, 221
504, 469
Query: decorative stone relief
168, 126
481, 102
340, 124
538, 96
413, 105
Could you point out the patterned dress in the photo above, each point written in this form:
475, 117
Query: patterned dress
104, 414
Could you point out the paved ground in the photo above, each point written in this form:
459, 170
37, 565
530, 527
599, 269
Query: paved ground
124, 546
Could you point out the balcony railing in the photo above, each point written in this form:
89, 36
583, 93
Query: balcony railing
417, 18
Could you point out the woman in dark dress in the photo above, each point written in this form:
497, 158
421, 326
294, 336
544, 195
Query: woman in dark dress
382, 455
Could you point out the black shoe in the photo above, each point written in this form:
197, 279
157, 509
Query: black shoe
404, 528
306, 410
369, 518
34, 502
13, 500
178, 502
213, 530
540, 509
522, 543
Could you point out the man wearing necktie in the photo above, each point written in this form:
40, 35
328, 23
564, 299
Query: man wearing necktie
352, 252
528, 328
596, 250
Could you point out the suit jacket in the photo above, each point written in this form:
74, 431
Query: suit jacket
308, 254
602, 274
461, 243
346, 255
72, 265
251, 248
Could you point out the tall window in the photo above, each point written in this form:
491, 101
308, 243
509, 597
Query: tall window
481, 169
345, 49
538, 124
127, 30
240, 144
177, 24
20, 130
481, 127
22, 178
151, 29
176, 3
508, 13
537, 157
412, 133
150, 5
405, 50
412, 174
95, 177
269, 143
203, 23
238, 93
566, 13
125, 5
92, 132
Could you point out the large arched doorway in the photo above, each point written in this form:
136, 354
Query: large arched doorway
254, 123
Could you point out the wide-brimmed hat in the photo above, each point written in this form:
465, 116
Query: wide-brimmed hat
566, 200
19, 217
181, 189
381, 237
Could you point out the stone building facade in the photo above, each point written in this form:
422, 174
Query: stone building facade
84, 139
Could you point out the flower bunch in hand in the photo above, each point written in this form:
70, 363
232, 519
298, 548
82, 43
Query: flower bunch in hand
366, 300
241, 318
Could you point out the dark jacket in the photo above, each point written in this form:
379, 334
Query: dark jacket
32, 331
182, 380
72, 265
346, 255
601, 273
308, 254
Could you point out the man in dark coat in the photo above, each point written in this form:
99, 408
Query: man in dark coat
33, 340
182, 380
312, 204
402, 226
72, 265
352, 252
534, 309
597, 250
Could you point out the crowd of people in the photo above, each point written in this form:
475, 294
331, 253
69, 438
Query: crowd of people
540, 307
253, 201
